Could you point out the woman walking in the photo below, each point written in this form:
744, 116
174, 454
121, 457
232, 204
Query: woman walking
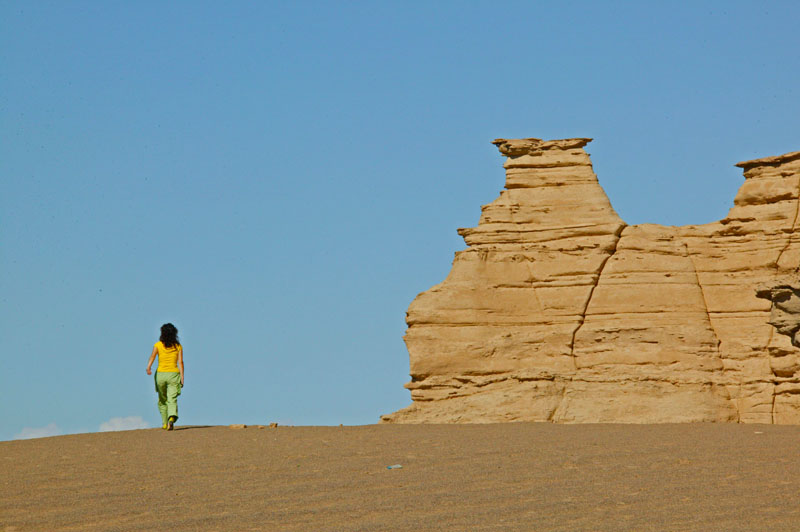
169, 374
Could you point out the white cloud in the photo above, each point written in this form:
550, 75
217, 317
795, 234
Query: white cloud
124, 423
38, 432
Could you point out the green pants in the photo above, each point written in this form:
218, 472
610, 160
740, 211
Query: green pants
168, 387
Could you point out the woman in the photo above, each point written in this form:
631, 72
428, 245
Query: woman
169, 374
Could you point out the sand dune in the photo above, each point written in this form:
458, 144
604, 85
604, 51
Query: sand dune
454, 477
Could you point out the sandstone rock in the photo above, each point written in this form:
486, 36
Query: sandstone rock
237, 426
559, 311
784, 295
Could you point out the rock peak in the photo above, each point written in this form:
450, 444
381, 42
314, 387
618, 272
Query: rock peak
534, 146
776, 160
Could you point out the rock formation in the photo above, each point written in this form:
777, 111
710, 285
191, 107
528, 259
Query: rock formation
784, 294
559, 311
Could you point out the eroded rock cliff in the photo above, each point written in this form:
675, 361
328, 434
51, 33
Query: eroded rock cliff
559, 311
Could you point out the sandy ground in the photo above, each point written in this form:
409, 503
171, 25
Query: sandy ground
454, 477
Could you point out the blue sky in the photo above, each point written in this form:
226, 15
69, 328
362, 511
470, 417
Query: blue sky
280, 179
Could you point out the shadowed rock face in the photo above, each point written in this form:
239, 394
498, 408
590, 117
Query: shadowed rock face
559, 311
785, 312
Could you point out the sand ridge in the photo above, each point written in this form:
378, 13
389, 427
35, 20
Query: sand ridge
517, 476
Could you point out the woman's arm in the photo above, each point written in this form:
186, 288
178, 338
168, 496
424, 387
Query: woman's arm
152, 359
180, 362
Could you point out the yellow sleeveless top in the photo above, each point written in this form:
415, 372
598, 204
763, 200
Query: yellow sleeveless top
168, 357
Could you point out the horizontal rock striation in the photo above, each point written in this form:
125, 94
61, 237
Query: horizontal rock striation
559, 311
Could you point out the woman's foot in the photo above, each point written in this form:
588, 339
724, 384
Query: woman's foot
164, 426
171, 422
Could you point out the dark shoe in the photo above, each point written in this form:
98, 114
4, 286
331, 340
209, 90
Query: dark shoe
171, 422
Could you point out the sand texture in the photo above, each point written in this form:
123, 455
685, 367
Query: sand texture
513, 476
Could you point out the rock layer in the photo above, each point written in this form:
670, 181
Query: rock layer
559, 311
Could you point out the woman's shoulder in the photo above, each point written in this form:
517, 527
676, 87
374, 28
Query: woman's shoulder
160, 345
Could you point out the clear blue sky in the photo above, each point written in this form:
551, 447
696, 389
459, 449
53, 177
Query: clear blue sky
280, 179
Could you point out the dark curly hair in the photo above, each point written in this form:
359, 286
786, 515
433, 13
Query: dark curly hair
169, 335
